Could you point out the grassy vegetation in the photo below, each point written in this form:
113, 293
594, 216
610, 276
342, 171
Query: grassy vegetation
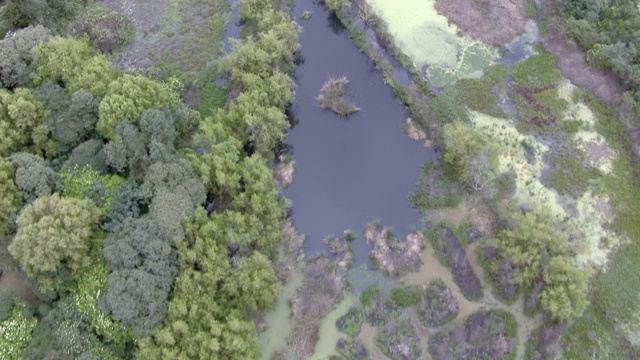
571, 176
212, 97
407, 295
393, 341
436, 188
588, 337
350, 322
332, 97
379, 308
479, 94
195, 29
440, 305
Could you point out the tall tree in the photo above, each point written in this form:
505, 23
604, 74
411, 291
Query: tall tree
531, 244
565, 293
22, 124
33, 177
143, 266
15, 55
11, 199
126, 99
54, 237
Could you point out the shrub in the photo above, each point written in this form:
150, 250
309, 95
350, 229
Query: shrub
331, 97
107, 29
407, 295
350, 322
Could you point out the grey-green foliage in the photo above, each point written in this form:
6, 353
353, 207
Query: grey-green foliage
74, 125
128, 150
143, 266
54, 97
89, 153
124, 204
176, 176
157, 125
15, 55
67, 329
135, 148
33, 177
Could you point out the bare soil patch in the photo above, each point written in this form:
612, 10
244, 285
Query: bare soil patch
492, 21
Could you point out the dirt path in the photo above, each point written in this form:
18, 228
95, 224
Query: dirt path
572, 60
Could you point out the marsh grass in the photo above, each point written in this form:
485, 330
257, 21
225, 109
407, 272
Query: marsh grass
479, 94
332, 97
212, 97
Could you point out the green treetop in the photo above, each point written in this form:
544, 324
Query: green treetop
54, 237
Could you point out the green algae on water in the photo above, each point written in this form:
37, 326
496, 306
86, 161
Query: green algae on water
431, 42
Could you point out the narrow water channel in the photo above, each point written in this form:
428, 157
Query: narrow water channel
348, 170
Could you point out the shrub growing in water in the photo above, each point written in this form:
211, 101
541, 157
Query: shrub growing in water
331, 97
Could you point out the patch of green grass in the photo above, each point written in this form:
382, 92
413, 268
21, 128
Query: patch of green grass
570, 174
435, 189
368, 296
212, 97
530, 9
392, 340
446, 107
196, 29
588, 336
537, 71
407, 295
350, 322
478, 94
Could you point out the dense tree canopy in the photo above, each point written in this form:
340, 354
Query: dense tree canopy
54, 236
11, 199
33, 177
143, 266
565, 293
22, 124
206, 316
15, 55
126, 99
472, 155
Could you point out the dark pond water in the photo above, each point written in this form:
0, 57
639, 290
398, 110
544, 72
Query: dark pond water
348, 171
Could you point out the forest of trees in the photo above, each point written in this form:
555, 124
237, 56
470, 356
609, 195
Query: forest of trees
609, 32
105, 176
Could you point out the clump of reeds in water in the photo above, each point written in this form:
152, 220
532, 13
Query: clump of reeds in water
331, 96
